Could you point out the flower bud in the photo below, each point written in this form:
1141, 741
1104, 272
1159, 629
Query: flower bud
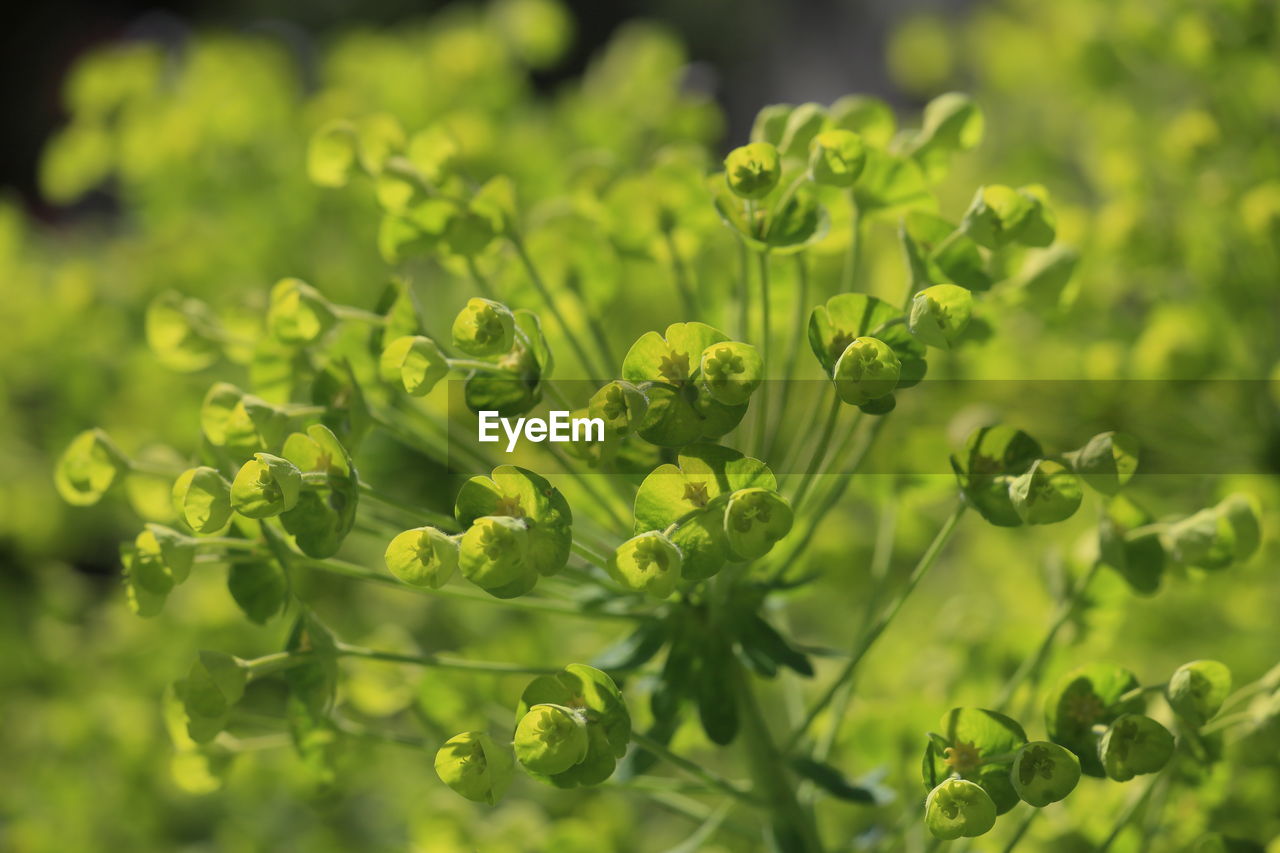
1046, 493
266, 485
550, 739
731, 372
476, 767
753, 170
298, 314
866, 370
414, 362
939, 314
648, 563
755, 519
1198, 689
423, 556
495, 551
958, 808
1134, 745
836, 158
202, 498
1044, 773
484, 328
88, 467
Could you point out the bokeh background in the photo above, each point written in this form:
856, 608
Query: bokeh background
1152, 122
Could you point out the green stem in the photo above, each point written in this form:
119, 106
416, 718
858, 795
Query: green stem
819, 451
771, 779
793, 354
525, 603
444, 662
744, 291
695, 770
359, 315
154, 469
478, 366
855, 243
873, 633
1130, 811
541, 286
1031, 666
681, 275
1021, 831
1227, 721
761, 401
481, 282
413, 515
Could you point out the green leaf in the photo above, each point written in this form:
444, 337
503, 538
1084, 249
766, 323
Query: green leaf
1083, 698
324, 514
762, 636
521, 494
717, 702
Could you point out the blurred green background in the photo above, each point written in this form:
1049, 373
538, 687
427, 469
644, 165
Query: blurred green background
150, 150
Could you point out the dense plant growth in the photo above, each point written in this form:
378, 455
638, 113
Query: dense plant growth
668, 610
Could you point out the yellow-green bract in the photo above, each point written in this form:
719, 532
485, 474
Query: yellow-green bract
266, 485
649, 562
958, 809
423, 556
752, 170
475, 766
484, 328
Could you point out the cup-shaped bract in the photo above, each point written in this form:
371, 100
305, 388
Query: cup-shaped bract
958, 808
468, 232
991, 459
162, 558
240, 422
1134, 745
212, 687
182, 332
868, 369
1211, 538
494, 552
414, 362
754, 520
1000, 215
521, 495
1084, 698
298, 314
1044, 773
1047, 493
202, 498
1107, 462
88, 467
621, 405
484, 328
940, 314
969, 745
423, 556
594, 698
476, 767
836, 158
752, 170
550, 739
1244, 515
265, 486
649, 562
731, 372
1197, 690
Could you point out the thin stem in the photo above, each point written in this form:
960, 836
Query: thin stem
359, 730
1128, 814
873, 633
696, 771
412, 515
1031, 666
479, 366
1021, 831
793, 353
229, 542
819, 451
681, 275
744, 291
481, 282
359, 315
766, 349
525, 603
552, 305
855, 241
444, 662
1227, 721
154, 469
